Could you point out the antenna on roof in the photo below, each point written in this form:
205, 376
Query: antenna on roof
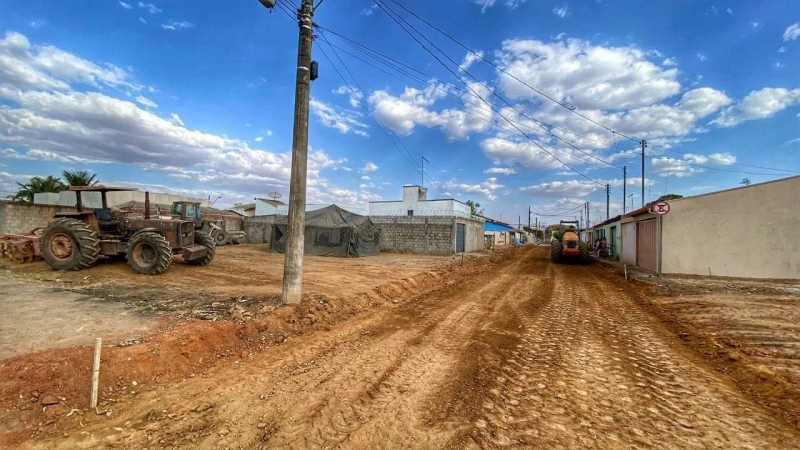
275, 195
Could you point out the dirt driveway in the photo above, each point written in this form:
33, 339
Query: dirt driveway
33, 317
519, 354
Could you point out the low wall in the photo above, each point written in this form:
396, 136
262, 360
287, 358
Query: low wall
22, 217
258, 228
427, 235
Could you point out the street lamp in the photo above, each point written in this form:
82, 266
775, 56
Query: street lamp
631, 201
269, 4
215, 201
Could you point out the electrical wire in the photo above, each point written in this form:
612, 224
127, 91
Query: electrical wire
385, 10
407, 155
511, 75
726, 162
379, 56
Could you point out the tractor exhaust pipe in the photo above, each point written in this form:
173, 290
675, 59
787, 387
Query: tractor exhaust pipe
147, 205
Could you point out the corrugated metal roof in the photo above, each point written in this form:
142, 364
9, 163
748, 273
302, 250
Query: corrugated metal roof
493, 226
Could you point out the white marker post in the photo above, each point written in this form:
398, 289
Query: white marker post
98, 345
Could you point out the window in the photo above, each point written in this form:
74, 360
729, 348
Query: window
192, 211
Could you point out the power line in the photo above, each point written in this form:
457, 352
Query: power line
727, 162
722, 170
380, 57
572, 110
561, 213
384, 9
389, 133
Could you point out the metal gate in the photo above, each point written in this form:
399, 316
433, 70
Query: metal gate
461, 231
647, 245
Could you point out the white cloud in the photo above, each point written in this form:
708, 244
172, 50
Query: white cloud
174, 26
365, 177
585, 75
669, 62
269, 133
176, 119
779, 65
144, 101
27, 66
369, 167
782, 50
500, 171
792, 32
759, 104
259, 139
562, 11
470, 59
557, 189
486, 188
125, 5
369, 11
411, 108
337, 118
666, 167
702, 57
151, 8
142, 20
354, 95
484, 4
794, 142
43, 155
729, 11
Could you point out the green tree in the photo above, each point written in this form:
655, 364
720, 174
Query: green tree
38, 185
80, 178
475, 208
665, 198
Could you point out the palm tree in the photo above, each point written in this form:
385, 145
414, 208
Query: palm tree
80, 178
38, 185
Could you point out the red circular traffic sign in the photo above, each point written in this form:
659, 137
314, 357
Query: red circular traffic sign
660, 208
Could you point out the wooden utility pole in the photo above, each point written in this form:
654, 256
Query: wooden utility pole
644, 144
624, 187
608, 200
295, 245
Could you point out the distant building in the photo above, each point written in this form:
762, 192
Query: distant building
418, 225
497, 233
415, 203
248, 210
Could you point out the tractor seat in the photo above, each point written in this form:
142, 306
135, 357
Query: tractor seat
103, 215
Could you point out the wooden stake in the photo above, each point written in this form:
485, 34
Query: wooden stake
98, 344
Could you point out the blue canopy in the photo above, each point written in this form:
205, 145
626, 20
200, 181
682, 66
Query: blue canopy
491, 226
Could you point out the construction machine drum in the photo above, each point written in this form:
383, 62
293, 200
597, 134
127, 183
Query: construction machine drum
69, 244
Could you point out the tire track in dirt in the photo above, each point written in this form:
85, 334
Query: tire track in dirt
594, 370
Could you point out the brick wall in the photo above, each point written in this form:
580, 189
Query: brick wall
22, 217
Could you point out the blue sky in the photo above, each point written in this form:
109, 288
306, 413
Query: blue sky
197, 98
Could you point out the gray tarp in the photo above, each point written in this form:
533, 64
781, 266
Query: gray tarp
332, 231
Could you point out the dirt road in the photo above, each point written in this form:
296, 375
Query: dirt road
525, 355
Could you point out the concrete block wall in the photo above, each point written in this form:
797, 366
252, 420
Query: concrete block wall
474, 240
22, 217
258, 228
424, 235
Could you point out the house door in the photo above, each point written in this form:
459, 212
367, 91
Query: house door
461, 231
612, 241
647, 245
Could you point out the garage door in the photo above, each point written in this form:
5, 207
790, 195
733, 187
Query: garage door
460, 234
646, 245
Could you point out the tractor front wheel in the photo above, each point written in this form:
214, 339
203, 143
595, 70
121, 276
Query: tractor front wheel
220, 237
586, 254
149, 253
555, 251
204, 239
69, 244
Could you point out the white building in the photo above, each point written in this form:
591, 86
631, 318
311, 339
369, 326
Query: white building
415, 203
93, 199
270, 207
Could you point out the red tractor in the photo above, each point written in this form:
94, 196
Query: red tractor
76, 240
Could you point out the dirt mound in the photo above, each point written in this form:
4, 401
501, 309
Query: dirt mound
38, 391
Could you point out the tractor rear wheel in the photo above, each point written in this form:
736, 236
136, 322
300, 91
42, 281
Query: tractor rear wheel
220, 237
586, 254
555, 251
204, 239
69, 244
149, 253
